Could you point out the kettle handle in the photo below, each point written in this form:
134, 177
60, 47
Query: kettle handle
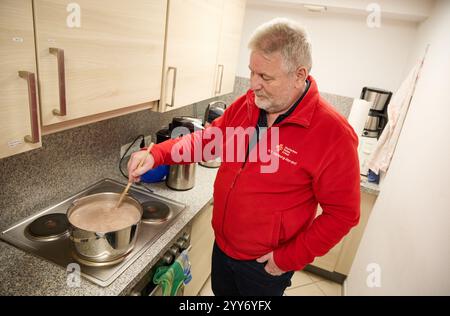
214, 103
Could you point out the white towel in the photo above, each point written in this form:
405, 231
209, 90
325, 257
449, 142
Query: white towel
397, 110
358, 115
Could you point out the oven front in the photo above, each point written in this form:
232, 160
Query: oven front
146, 287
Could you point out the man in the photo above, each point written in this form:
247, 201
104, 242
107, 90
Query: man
265, 223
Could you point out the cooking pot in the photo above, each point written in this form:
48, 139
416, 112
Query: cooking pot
104, 247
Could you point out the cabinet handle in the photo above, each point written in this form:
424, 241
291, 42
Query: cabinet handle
174, 82
221, 77
32, 101
62, 111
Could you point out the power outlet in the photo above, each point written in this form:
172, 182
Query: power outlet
135, 147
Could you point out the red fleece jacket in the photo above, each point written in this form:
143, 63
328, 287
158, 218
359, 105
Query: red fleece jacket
256, 213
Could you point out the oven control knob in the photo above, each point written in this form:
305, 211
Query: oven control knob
167, 258
173, 251
181, 243
185, 237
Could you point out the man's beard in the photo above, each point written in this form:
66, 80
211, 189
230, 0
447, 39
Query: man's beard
269, 104
266, 104
263, 103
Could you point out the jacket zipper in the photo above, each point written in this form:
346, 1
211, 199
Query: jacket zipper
247, 153
229, 192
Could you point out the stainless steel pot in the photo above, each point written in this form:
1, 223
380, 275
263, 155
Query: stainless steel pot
103, 247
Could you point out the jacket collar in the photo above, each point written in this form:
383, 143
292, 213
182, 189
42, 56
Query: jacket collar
302, 115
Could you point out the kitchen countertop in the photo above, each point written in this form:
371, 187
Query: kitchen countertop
24, 274
369, 187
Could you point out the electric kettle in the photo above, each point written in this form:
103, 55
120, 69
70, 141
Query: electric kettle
182, 177
213, 111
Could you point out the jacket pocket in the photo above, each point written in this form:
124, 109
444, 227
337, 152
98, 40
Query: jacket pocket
276, 230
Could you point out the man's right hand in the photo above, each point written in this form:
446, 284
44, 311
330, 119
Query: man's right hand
134, 171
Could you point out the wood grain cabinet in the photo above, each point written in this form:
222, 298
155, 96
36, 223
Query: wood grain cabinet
339, 259
97, 56
202, 47
19, 112
229, 45
67, 63
202, 240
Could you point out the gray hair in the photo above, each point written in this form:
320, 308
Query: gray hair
284, 36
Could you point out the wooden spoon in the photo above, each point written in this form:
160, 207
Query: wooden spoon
129, 182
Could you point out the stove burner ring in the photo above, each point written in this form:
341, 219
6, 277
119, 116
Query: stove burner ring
155, 212
48, 227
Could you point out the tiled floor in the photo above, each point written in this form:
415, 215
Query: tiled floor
303, 284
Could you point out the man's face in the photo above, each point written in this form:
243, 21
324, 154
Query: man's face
275, 89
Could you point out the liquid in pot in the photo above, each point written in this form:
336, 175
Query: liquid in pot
103, 216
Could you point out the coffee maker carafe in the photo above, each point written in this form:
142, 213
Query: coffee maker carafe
377, 119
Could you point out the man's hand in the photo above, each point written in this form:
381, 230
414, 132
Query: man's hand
134, 171
270, 267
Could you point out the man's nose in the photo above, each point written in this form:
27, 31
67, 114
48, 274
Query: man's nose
255, 82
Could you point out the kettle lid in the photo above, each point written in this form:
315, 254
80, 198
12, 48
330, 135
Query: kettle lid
191, 123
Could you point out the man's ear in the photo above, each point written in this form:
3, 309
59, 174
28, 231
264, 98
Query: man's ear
301, 74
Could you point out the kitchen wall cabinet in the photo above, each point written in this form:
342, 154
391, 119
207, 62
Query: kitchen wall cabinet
85, 61
19, 120
229, 45
340, 258
202, 240
193, 27
202, 47
97, 56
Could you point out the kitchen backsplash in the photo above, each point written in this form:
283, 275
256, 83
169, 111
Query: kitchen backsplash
71, 160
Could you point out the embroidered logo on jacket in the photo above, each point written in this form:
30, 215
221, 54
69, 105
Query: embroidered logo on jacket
285, 153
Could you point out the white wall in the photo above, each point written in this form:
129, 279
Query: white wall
347, 55
408, 233
413, 10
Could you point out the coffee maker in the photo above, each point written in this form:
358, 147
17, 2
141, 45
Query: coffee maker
374, 125
377, 119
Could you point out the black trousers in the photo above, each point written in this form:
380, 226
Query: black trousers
231, 277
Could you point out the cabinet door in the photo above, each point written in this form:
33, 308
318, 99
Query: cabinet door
329, 260
17, 93
202, 240
112, 55
340, 257
192, 42
230, 41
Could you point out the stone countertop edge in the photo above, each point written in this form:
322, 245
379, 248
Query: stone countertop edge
369, 187
25, 274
